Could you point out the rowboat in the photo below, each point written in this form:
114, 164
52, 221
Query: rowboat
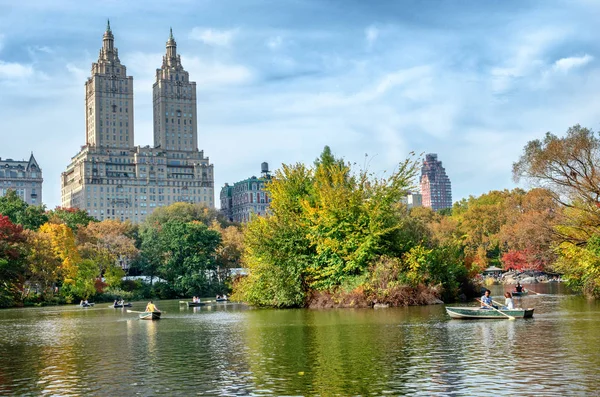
477, 312
87, 304
522, 293
221, 299
150, 316
120, 306
195, 304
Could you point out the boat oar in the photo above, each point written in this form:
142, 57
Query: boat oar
134, 311
493, 308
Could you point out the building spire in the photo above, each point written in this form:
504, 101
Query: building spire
171, 33
108, 26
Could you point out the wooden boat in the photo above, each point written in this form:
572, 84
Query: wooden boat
150, 316
222, 299
522, 293
86, 304
120, 306
195, 304
477, 312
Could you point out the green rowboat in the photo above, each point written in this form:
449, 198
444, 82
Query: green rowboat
477, 313
150, 316
522, 293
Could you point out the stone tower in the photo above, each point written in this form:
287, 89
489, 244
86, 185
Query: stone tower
174, 100
109, 99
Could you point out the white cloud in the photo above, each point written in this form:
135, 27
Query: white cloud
215, 73
213, 37
566, 64
274, 42
13, 70
371, 35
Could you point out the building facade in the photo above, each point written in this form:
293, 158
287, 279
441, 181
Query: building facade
242, 200
110, 177
436, 190
24, 177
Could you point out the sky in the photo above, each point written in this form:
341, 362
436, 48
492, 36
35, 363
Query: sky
472, 81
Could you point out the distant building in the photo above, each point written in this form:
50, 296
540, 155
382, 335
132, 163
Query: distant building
414, 200
247, 197
436, 190
110, 177
24, 177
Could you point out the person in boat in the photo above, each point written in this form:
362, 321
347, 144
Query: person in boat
151, 307
486, 300
116, 302
81, 303
194, 300
519, 287
508, 302
85, 302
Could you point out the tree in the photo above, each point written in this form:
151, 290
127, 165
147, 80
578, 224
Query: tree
229, 251
42, 263
326, 227
11, 259
62, 241
19, 212
108, 243
568, 168
188, 256
74, 218
185, 212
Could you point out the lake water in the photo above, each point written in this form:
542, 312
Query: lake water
229, 349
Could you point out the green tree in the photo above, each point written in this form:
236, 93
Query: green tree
188, 256
19, 212
325, 228
74, 218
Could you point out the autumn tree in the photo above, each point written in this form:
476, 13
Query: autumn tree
11, 259
43, 264
568, 168
108, 243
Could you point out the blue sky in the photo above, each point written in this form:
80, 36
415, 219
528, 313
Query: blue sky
277, 80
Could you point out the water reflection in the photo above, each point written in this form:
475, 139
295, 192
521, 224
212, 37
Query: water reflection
230, 350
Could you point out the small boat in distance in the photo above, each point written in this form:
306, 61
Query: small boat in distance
481, 313
87, 304
222, 299
195, 304
522, 293
119, 306
150, 316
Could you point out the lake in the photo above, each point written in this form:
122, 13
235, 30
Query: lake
229, 349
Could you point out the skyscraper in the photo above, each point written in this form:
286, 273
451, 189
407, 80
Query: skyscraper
174, 97
435, 184
110, 177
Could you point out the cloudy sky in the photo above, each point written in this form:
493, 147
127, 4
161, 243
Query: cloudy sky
278, 80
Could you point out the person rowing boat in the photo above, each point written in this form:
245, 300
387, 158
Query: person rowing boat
486, 300
151, 307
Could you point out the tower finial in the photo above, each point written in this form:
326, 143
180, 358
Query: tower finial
108, 25
171, 33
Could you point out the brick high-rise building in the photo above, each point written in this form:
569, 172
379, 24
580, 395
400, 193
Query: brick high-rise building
435, 184
246, 198
110, 177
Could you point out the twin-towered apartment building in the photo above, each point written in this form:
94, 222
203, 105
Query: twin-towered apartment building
110, 177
